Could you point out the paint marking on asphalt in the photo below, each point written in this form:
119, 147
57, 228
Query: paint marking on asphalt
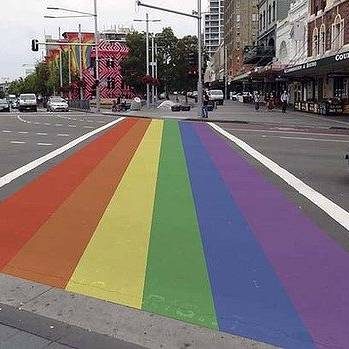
37, 123
59, 125
289, 132
71, 125
22, 120
62, 135
336, 212
6, 131
23, 132
8, 178
17, 142
88, 127
42, 134
47, 124
44, 144
315, 139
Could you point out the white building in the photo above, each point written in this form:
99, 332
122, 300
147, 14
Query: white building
291, 35
214, 26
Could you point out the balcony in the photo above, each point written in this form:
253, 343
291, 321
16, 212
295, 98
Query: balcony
259, 55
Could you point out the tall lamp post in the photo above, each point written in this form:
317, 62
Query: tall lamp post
79, 14
147, 20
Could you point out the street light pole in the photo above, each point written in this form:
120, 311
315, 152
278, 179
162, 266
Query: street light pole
60, 63
98, 96
153, 68
200, 92
147, 57
80, 63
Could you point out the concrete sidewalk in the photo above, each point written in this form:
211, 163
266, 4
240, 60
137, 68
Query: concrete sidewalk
244, 113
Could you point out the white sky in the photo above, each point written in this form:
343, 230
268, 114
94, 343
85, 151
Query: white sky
23, 20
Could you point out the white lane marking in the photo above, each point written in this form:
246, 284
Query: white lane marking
17, 142
37, 123
58, 125
23, 120
8, 178
88, 127
42, 134
316, 139
71, 125
43, 143
336, 212
288, 132
6, 131
23, 132
89, 121
62, 135
47, 124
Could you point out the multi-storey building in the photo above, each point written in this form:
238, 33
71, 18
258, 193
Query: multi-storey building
240, 30
269, 13
112, 50
213, 26
325, 75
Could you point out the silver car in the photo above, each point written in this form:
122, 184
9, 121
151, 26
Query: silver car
57, 103
4, 105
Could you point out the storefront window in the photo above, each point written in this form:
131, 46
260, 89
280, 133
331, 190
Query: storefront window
322, 39
338, 33
315, 42
338, 87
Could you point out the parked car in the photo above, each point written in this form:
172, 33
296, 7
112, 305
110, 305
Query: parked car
56, 103
28, 101
216, 96
4, 105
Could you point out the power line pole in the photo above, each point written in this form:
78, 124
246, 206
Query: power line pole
60, 63
98, 94
200, 91
80, 63
153, 68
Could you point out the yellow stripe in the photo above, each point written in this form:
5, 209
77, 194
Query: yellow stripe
113, 265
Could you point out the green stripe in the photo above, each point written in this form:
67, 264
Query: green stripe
176, 283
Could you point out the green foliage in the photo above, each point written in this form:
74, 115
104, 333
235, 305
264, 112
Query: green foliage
173, 63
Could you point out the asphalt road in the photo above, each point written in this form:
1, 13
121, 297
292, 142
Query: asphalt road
25, 137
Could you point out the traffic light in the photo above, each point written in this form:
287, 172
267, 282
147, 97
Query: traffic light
35, 45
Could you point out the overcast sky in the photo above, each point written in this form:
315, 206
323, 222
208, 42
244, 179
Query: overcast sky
23, 20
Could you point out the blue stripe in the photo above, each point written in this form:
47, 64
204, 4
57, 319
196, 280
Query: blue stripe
249, 299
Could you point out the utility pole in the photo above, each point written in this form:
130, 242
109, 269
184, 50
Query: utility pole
60, 63
80, 63
156, 69
225, 72
147, 20
98, 95
153, 68
69, 72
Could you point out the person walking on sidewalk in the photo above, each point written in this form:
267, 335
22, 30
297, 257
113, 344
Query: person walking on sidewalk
257, 100
284, 100
206, 100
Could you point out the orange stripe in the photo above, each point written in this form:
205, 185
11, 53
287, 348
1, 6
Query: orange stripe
51, 256
22, 214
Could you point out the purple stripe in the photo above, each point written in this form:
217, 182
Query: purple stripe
313, 268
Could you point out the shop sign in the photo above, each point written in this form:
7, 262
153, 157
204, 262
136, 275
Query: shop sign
342, 56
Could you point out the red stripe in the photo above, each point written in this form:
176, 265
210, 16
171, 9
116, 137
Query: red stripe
24, 212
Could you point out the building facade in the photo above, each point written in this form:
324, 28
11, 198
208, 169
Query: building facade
214, 26
240, 30
325, 75
112, 50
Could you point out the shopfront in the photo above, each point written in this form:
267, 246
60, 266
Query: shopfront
321, 86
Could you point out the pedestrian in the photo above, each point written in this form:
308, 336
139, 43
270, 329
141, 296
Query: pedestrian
205, 102
257, 99
270, 102
285, 100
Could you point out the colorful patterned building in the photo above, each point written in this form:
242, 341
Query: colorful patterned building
111, 54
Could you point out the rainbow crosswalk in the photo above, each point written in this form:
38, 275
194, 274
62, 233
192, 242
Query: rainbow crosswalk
167, 217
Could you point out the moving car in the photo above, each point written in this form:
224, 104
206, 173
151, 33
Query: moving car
4, 105
57, 103
27, 101
216, 96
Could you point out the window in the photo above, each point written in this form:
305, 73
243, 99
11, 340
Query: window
260, 22
315, 42
338, 33
274, 11
264, 19
269, 14
283, 51
322, 38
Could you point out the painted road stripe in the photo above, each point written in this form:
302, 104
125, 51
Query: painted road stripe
114, 264
249, 299
38, 162
41, 134
313, 268
17, 142
177, 283
38, 200
336, 212
44, 144
315, 139
51, 256
6, 131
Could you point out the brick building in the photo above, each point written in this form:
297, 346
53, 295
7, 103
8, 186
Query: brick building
325, 75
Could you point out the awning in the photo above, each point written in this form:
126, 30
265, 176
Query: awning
244, 76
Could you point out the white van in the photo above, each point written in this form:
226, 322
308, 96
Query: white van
216, 96
28, 101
